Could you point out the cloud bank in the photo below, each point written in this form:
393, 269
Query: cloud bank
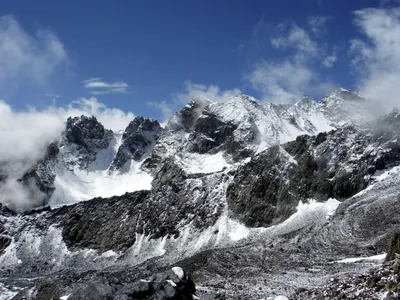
25, 136
377, 59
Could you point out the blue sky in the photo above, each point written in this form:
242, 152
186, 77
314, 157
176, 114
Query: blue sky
149, 57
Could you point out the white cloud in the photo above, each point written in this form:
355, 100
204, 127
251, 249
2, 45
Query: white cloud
296, 38
286, 81
317, 24
100, 87
329, 61
378, 58
203, 92
28, 58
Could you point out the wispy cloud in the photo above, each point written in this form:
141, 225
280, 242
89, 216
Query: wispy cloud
289, 78
27, 58
99, 87
329, 61
317, 24
296, 38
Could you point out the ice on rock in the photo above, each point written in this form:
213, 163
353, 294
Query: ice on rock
281, 298
171, 282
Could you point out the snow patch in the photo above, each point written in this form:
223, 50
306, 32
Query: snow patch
7, 293
356, 259
281, 298
81, 185
201, 163
306, 213
178, 271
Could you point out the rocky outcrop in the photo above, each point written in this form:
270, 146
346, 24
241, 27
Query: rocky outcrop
169, 284
138, 141
42, 175
379, 283
209, 133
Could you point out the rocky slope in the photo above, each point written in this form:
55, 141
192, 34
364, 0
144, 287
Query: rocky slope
252, 200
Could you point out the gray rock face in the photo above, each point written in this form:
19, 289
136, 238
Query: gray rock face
337, 164
99, 223
138, 141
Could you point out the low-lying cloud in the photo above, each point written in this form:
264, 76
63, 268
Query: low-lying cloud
25, 136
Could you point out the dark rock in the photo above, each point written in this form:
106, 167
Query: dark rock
86, 132
394, 247
84, 137
165, 285
103, 224
44, 290
4, 243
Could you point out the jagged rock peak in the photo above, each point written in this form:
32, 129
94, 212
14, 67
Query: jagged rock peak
141, 124
305, 102
246, 97
138, 141
187, 116
87, 131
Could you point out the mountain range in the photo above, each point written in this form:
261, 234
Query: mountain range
243, 200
